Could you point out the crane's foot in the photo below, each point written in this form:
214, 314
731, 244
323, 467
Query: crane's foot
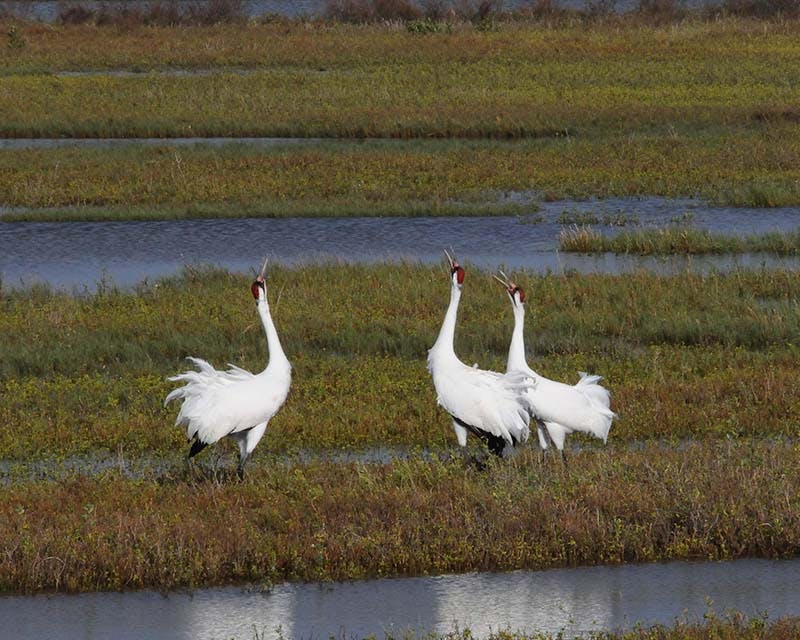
479, 462
473, 460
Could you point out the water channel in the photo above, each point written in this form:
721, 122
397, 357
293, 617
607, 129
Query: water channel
569, 600
81, 254
49, 10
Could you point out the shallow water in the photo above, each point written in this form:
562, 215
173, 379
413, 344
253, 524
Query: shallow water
80, 254
48, 10
174, 72
573, 600
153, 467
51, 143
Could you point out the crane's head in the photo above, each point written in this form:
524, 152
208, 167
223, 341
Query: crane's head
514, 291
456, 270
259, 286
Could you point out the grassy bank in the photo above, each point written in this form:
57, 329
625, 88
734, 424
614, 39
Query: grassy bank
685, 356
729, 166
732, 626
671, 241
328, 521
51, 48
530, 81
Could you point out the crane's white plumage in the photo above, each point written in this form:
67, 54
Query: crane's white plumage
235, 402
561, 408
492, 406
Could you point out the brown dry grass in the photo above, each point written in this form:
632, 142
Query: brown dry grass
326, 521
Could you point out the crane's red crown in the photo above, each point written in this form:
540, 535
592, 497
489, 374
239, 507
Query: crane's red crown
257, 285
459, 271
517, 289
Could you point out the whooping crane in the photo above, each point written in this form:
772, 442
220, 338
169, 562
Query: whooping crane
561, 408
489, 405
235, 402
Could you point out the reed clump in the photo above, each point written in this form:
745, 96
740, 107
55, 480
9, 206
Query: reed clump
327, 521
163, 13
677, 241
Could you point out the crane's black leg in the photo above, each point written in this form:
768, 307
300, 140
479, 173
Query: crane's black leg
240, 467
197, 447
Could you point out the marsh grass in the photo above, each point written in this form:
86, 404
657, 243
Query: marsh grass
670, 241
729, 626
680, 354
528, 81
311, 44
389, 177
163, 13
387, 310
331, 522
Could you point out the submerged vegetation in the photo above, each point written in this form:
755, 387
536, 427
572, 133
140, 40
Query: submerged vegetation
671, 241
318, 522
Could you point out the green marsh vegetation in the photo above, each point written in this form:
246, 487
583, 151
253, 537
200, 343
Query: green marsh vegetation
680, 354
600, 109
84, 375
673, 240
393, 177
312, 80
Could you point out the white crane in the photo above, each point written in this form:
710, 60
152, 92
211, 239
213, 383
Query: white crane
235, 402
561, 408
491, 406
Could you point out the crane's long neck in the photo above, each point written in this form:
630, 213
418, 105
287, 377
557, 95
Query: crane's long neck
447, 333
277, 358
516, 351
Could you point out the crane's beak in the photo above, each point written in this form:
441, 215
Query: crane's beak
450, 260
502, 280
508, 284
263, 270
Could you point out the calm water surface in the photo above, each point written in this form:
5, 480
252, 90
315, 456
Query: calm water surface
573, 600
49, 10
77, 255
51, 143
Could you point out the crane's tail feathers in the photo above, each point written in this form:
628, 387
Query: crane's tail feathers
172, 395
598, 394
604, 426
588, 378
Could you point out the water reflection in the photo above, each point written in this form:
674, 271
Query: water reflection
82, 253
49, 10
572, 600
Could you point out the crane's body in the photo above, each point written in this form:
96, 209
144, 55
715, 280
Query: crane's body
234, 403
490, 405
560, 408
